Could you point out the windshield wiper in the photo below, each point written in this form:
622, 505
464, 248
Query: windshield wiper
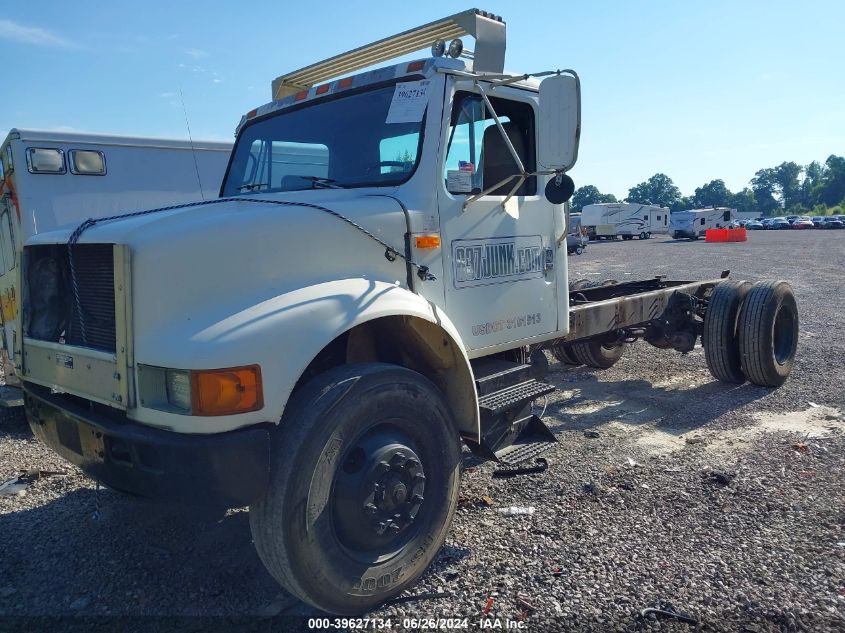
252, 185
319, 181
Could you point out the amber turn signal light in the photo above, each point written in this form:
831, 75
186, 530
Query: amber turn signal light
226, 391
427, 241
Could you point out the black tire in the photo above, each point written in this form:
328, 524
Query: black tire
579, 284
563, 353
768, 333
719, 338
595, 354
317, 528
648, 235
579, 249
609, 282
643, 236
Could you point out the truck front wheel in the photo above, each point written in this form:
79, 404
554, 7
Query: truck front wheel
363, 487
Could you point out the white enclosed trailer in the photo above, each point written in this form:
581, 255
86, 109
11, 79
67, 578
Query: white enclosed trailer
694, 223
625, 220
317, 345
53, 179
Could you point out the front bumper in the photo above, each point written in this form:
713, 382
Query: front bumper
225, 469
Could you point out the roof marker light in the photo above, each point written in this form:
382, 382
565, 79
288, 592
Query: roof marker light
251, 113
417, 65
345, 83
321, 90
300, 95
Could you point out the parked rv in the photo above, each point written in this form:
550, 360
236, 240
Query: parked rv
694, 224
53, 179
625, 220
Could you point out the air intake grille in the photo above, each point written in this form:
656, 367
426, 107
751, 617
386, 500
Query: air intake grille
94, 265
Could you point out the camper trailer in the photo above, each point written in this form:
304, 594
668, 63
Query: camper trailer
625, 220
694, 224
54, 179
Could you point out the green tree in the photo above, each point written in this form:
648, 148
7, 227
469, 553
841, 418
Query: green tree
831, 189
588, 194
744, 201
713, 194
683, 203
658, 190
786, 176
813, 177
764, 186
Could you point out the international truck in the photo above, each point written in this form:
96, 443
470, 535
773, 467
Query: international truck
694, 223
50, 179
318, 346
626, 220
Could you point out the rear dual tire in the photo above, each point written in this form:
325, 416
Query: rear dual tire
751, 332
768, 334
720, 336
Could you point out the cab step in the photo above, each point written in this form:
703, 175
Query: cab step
509, 431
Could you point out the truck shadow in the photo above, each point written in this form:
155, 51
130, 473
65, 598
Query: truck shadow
589, 403
140, 559
13, 423
136, 559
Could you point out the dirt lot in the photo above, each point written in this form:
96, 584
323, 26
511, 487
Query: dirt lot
726, 503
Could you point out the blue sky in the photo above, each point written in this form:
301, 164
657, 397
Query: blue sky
698, 91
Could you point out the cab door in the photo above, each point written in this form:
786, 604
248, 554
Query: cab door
501, 258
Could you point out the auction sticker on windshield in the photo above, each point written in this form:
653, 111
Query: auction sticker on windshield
409, 101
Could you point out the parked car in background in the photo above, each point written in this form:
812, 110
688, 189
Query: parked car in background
767, 223
792, 218
780, 223
818, 221
833, 222
803, 223
754, 225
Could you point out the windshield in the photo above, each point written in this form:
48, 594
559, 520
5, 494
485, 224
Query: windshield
342, 142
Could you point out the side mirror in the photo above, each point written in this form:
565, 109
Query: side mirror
560, 121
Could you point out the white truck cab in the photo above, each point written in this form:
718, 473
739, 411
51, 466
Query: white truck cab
376, 284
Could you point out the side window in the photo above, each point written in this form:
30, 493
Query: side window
659, 218
478, 156
398, 153
45, 160
645, 218
7, 241
726, 216
87, 162
702, 221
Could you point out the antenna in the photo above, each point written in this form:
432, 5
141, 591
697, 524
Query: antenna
191, 141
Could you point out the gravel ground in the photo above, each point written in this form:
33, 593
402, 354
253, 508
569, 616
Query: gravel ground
666, 489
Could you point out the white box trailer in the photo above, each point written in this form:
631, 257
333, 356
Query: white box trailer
694, 223
625, 220
53, 179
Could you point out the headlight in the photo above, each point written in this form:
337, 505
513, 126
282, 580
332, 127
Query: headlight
178, 385
201, 392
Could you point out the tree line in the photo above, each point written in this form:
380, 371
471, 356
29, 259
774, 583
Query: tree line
789, 188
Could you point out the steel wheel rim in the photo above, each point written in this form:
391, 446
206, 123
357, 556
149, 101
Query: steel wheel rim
378, 493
